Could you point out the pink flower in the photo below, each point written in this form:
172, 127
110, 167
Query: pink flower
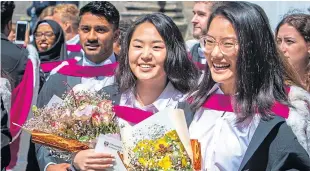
105, 105
84, 112
106, 117
57, 125
96, 118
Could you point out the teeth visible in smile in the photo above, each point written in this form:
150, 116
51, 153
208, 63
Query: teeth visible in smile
145, 66
221, 65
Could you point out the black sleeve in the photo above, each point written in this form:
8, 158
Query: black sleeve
42, 79
5, 138
54, 86
44, 157
109, 92
291, 155
20, 68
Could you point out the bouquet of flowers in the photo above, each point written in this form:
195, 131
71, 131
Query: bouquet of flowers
165, 153
72, 124
160, 143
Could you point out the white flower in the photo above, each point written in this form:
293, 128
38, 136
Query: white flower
84, 112
81, 88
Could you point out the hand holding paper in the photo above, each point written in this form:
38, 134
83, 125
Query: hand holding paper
111, 145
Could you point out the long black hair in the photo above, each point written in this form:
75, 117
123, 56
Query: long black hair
7, 10
181, 72
260, 70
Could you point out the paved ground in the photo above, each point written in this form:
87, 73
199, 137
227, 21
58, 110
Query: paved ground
20, 10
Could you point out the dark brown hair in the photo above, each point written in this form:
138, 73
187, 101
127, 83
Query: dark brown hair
301, 22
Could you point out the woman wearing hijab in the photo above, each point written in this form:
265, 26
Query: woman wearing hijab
50, 42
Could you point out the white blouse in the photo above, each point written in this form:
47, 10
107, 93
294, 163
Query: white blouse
223, 141
169, 98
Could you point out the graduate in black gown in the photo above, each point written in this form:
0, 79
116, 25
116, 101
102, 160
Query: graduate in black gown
98, 30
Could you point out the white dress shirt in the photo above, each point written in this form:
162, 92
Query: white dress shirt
223, 141
74, 40
94, 83
97, 83
168, 98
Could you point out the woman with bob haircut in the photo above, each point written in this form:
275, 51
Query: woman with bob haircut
293, 39
245, 117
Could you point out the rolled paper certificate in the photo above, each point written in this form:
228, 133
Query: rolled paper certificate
57, 142
196, 154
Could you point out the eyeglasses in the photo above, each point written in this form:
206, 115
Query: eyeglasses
226, 45
48, 34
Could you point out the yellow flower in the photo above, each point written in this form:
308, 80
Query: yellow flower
165, 163
142, 161
173, 135
151, 163
161, 143
142, 146
184, 162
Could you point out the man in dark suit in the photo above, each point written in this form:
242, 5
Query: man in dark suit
13, 57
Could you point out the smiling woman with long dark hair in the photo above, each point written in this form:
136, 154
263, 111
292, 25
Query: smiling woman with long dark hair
242, 102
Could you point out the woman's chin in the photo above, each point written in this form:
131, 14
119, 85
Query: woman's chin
43, 49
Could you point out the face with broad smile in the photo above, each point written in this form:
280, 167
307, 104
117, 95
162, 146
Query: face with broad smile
147, 53
221, 50
44, 37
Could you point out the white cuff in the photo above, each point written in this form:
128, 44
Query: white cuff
50, 163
